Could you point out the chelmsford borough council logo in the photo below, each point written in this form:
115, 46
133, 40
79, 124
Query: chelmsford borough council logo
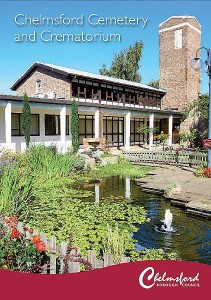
149, 278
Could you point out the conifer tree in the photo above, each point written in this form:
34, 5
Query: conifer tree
75, 126
26, 119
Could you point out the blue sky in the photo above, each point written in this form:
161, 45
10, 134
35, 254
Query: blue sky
17, 57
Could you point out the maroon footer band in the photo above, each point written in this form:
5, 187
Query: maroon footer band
138, 280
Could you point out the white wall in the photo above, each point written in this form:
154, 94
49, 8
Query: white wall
2, 125
42, 138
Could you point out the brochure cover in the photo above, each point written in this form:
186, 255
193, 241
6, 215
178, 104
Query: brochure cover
105, 149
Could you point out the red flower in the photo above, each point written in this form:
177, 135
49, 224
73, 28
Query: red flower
41, 246
207, 172
7, 220
30, 230
15, 234
13, 219
35, 239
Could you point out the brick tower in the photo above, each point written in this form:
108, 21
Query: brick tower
179, 38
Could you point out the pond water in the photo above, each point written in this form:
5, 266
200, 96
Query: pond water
192, 239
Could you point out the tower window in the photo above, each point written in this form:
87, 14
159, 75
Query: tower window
178, 39
38, 86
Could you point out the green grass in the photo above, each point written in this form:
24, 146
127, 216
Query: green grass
123, 168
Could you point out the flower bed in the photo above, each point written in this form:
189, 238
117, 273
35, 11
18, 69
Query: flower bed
19, 253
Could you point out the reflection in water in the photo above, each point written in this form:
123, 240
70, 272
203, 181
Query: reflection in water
191, 241
97, 193
127, 187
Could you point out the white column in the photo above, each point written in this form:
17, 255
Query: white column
8, 127
63, 113
170, 130
127, 187
97, 124
151, 125
127, 130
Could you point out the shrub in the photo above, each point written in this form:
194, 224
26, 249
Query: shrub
199, 171
75, 126
26, 119
186, 137
19, 253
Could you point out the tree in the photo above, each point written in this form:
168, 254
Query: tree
163, 138
199, 109
125, 65
75, 126
146, 131
154, 83
188, 137
26, 119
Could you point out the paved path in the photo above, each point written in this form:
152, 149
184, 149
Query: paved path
191, 192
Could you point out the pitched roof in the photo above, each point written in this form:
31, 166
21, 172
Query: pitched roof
68, 71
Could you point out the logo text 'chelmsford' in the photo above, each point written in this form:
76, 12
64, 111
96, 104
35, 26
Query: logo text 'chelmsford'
148, 279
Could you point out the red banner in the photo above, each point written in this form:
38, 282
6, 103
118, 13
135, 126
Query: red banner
206, 143
157, 280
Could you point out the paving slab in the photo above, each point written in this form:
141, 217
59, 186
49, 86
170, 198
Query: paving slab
181, 186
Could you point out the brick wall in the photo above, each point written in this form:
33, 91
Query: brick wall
176, 76
50, 82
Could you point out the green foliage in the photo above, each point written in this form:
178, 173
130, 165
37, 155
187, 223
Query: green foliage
123, 168
75, 126
125, 65
26, 119
199, 171
188, 137
163, 138
106, 155
199, 108
39, 188
15, 191
62, 209
146, 129
154, 83
158, 254
33, 169
114, 243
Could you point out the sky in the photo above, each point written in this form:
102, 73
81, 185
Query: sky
16, 57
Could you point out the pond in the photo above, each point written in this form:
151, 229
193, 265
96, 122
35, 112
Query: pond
192, 239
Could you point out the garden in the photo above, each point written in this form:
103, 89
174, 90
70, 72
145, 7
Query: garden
38, 188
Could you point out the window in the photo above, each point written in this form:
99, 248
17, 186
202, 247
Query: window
178, 39
86, 127
38, 86
113, 130
136, 138
17, 125
52, 125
